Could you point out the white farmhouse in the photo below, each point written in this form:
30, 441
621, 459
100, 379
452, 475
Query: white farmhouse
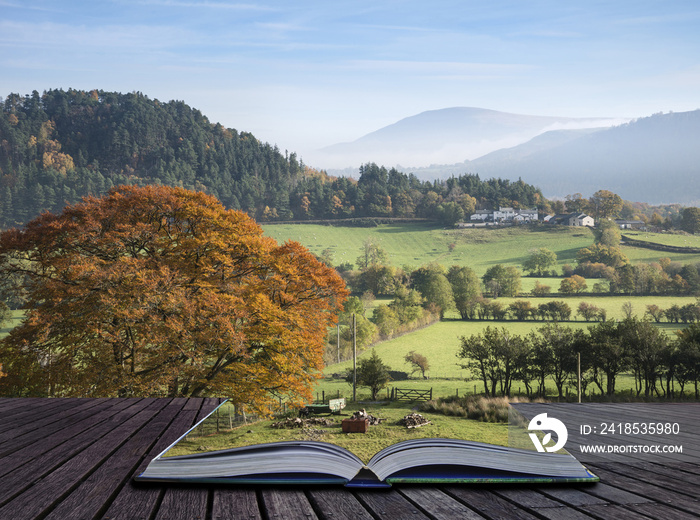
573, 219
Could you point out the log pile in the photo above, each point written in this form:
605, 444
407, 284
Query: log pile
414, 420
296, 422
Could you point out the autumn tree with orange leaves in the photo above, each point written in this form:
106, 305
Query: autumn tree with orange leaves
160, 291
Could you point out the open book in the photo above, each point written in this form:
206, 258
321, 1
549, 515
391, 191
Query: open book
425, 460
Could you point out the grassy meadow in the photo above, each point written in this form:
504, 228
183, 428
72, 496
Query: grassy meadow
417, 244
379, 436
669, 239
413, 245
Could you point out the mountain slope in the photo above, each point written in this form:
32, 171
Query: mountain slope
444, 136
654, 159
62, 145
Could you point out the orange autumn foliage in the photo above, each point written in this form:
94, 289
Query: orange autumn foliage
160, 291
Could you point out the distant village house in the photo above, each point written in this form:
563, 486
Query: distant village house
571, 219
630, 224
504, 215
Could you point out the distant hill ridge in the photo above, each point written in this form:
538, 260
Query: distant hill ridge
61, 145
450, 134
653, 159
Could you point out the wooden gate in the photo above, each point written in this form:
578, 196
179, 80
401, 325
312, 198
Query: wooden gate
412, 395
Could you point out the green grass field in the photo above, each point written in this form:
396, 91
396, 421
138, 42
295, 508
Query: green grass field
365, 445
669, 239
415, 245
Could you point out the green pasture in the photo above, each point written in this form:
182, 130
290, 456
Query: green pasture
641, 255
669, 239
418, 244
365, 445
440, 343
613, 305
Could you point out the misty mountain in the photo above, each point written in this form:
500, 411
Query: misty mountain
445, 136
654, 159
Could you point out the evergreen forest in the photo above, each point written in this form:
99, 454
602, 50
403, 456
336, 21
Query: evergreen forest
62, 145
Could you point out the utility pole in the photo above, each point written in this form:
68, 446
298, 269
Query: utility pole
579, 377
354, 358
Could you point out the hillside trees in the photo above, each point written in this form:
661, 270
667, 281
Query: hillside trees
607, 350
540, 261
495, 355
602, 254
574, 284
61, 145
418, 361
466, 290
690, 220
160, 291
604, 204
432, 283
500, 280
373, 373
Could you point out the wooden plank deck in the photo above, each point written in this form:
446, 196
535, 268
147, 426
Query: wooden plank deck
75, 459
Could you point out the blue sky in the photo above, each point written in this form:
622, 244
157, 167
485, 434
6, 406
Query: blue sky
308, 74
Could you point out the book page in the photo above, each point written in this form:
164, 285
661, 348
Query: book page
387, 424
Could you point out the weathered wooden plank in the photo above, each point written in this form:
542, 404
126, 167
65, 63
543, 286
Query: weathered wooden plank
527, 498
561, 513
25, 405
235, 504
70, 419
663, 511
572, 496
390, 505
646, 491
94, 493
11, 405
39, 499
637, 489
34, 462
141, 504
183, 503
490, 505
286, 504
669, 477
606, 512
142, 497
437, 504
615, 495
31, 419
337, 504
176, 495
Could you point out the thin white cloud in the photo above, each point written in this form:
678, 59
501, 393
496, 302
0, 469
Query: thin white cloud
28, 7
49, 36
660, 19
439, 67
202, 5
